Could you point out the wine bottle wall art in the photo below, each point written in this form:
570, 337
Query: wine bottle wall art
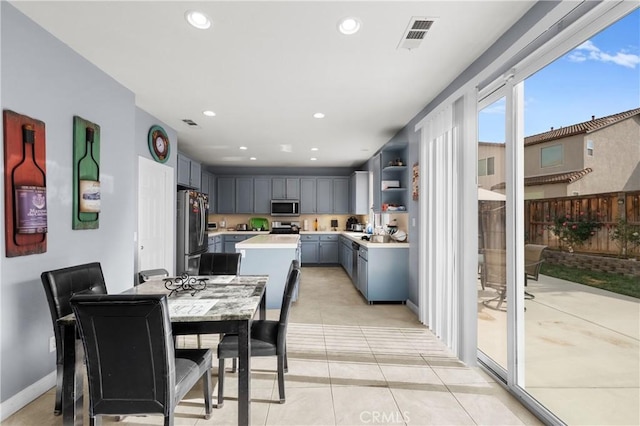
86, 174
25, 190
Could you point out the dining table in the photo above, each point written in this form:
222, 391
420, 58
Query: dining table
197, 305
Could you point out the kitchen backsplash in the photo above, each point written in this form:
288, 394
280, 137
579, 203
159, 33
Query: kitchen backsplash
324, 220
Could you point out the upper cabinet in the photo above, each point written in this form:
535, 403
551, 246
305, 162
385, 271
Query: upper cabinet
244, 195
308, 195
226, 194
262, 195
189, 172
208, 186
359, 193
285, 188
341, 195
394, 179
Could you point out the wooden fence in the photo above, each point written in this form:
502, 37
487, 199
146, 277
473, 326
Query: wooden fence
539, 214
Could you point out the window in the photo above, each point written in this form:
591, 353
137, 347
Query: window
551, 156
590, 148
490, 168
482, 167
486, 166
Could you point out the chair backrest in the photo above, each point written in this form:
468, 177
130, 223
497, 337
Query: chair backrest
129, 353
495, 268
219, 264
61, 284
293, 280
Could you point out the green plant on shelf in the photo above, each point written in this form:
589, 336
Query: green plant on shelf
573, 231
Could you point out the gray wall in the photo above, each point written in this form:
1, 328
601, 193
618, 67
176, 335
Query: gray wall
46, 80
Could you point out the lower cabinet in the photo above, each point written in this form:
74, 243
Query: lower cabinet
216, 243
382, 274
320, 249
231, 240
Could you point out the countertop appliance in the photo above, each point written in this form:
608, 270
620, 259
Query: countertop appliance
285, 228
193, 208
350, 222
285, 208
212, 226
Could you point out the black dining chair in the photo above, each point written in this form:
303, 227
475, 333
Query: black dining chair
268, 338
220, 264
59, 286
132, 366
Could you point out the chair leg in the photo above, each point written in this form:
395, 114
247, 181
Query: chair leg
281, 363
234, 365
199, 342
286, 362
57, 409
168, 419
220, 383
206, 385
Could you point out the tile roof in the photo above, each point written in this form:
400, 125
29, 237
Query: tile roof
584, 127
566, 177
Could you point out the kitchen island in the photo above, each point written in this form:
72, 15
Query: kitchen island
270, 255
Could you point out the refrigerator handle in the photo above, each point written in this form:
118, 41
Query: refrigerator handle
202, 220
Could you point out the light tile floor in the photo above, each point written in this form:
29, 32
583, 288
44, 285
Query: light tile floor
349, 363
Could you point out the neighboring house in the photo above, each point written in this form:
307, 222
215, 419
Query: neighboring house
597, 156
490, 164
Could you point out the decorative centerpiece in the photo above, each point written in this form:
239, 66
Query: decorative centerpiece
185, 283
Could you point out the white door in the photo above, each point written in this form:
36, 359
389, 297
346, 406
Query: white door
156, 212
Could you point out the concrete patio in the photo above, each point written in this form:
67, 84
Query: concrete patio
582, 350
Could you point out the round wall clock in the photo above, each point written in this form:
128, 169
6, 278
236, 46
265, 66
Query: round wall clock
159, 144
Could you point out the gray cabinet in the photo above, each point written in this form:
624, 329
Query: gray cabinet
226, 195
208, 186
328, 251
188, 172
244, 195
308, 195
309, 247
285, 188
215, 243
324, 195
341, 195
363, 270
375, 170
262, 195
231, 240
359, 193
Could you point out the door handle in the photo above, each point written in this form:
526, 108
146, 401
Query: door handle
141, 247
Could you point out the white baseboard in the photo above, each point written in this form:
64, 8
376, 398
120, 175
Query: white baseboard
25, 396
413, 307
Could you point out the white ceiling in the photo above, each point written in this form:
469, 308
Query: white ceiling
266, 67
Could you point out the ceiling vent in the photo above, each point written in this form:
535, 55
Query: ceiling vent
190, 122
415, 32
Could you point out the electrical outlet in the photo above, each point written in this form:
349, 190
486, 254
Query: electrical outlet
52, 344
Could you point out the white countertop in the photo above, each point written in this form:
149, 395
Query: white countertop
353, 236
270, 241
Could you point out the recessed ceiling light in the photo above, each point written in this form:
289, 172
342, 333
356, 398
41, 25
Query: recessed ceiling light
197, 19
253, 158
244, 148
318, 115
313, 158
349, 25
314, 149
209, 113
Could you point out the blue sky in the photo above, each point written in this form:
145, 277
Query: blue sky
599, 77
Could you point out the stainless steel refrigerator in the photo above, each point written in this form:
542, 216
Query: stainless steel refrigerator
193, 208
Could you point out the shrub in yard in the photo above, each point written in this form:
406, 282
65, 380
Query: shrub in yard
626, 236
574, 231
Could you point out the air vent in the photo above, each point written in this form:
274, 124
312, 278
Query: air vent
190, 122
415, 32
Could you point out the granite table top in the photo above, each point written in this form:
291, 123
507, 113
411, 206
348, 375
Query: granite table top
234, 298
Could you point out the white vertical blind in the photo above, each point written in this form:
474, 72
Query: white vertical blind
439, 277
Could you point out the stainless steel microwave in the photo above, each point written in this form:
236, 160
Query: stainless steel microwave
285, 208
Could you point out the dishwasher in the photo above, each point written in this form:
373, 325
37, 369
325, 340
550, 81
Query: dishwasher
355, 248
